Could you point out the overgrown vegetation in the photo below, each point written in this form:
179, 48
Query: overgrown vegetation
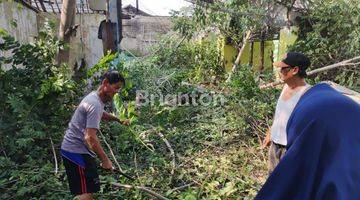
180, 151
36, 101
216, 147
330, 33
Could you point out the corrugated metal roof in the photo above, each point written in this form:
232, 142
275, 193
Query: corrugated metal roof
54, 6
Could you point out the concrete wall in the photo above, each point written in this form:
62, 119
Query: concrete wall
141, 32
85, 43
23, 23
138, 33
18, 21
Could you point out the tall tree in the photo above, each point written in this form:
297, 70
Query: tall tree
67, 28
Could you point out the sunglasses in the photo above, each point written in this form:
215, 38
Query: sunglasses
286, 69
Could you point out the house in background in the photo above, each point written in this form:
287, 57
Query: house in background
24, 18
263, 49
141, 30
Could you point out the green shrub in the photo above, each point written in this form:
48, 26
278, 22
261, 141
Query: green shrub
36, 102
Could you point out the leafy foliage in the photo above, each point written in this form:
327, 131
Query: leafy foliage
38, 99
216, 147
36, 102
330, 33
231, 19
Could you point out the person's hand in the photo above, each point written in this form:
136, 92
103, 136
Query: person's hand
126, 122
266, 142
107, 165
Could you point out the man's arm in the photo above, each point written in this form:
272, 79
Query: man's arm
109, 117
93, 143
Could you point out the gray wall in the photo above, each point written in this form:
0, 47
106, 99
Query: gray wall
18, 21
139, 32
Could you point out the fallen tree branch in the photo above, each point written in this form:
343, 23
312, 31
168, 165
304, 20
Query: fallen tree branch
333, 66
54, 154
310, 73
182, 187
237, 61
167, 143
152, 193
172, 152
142, 135
172, 52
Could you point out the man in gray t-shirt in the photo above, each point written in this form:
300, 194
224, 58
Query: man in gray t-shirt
87, 115
81, 144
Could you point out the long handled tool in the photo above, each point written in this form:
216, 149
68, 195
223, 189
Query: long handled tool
118, 169
123, 174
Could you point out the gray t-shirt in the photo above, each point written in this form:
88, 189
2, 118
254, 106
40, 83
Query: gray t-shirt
87, 115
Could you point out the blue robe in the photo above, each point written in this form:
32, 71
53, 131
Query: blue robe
323, 151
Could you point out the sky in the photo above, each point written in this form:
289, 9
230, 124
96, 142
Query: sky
157, 7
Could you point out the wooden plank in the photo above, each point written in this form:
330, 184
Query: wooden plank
262, 52
37, 6
57, 5
28, 5
51, 5
251, 53
82, 6
42, 5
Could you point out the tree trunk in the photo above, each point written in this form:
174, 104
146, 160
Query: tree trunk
237, 61
119, 19
67, 20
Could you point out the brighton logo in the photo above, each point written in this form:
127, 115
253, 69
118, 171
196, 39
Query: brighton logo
144, 98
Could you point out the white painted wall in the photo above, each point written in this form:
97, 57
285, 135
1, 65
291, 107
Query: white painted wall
91, 47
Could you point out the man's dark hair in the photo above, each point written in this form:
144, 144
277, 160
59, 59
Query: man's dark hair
113, 77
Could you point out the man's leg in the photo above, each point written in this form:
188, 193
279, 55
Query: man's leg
87, 196
282, 151
83, 181
276, 153
272, 160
